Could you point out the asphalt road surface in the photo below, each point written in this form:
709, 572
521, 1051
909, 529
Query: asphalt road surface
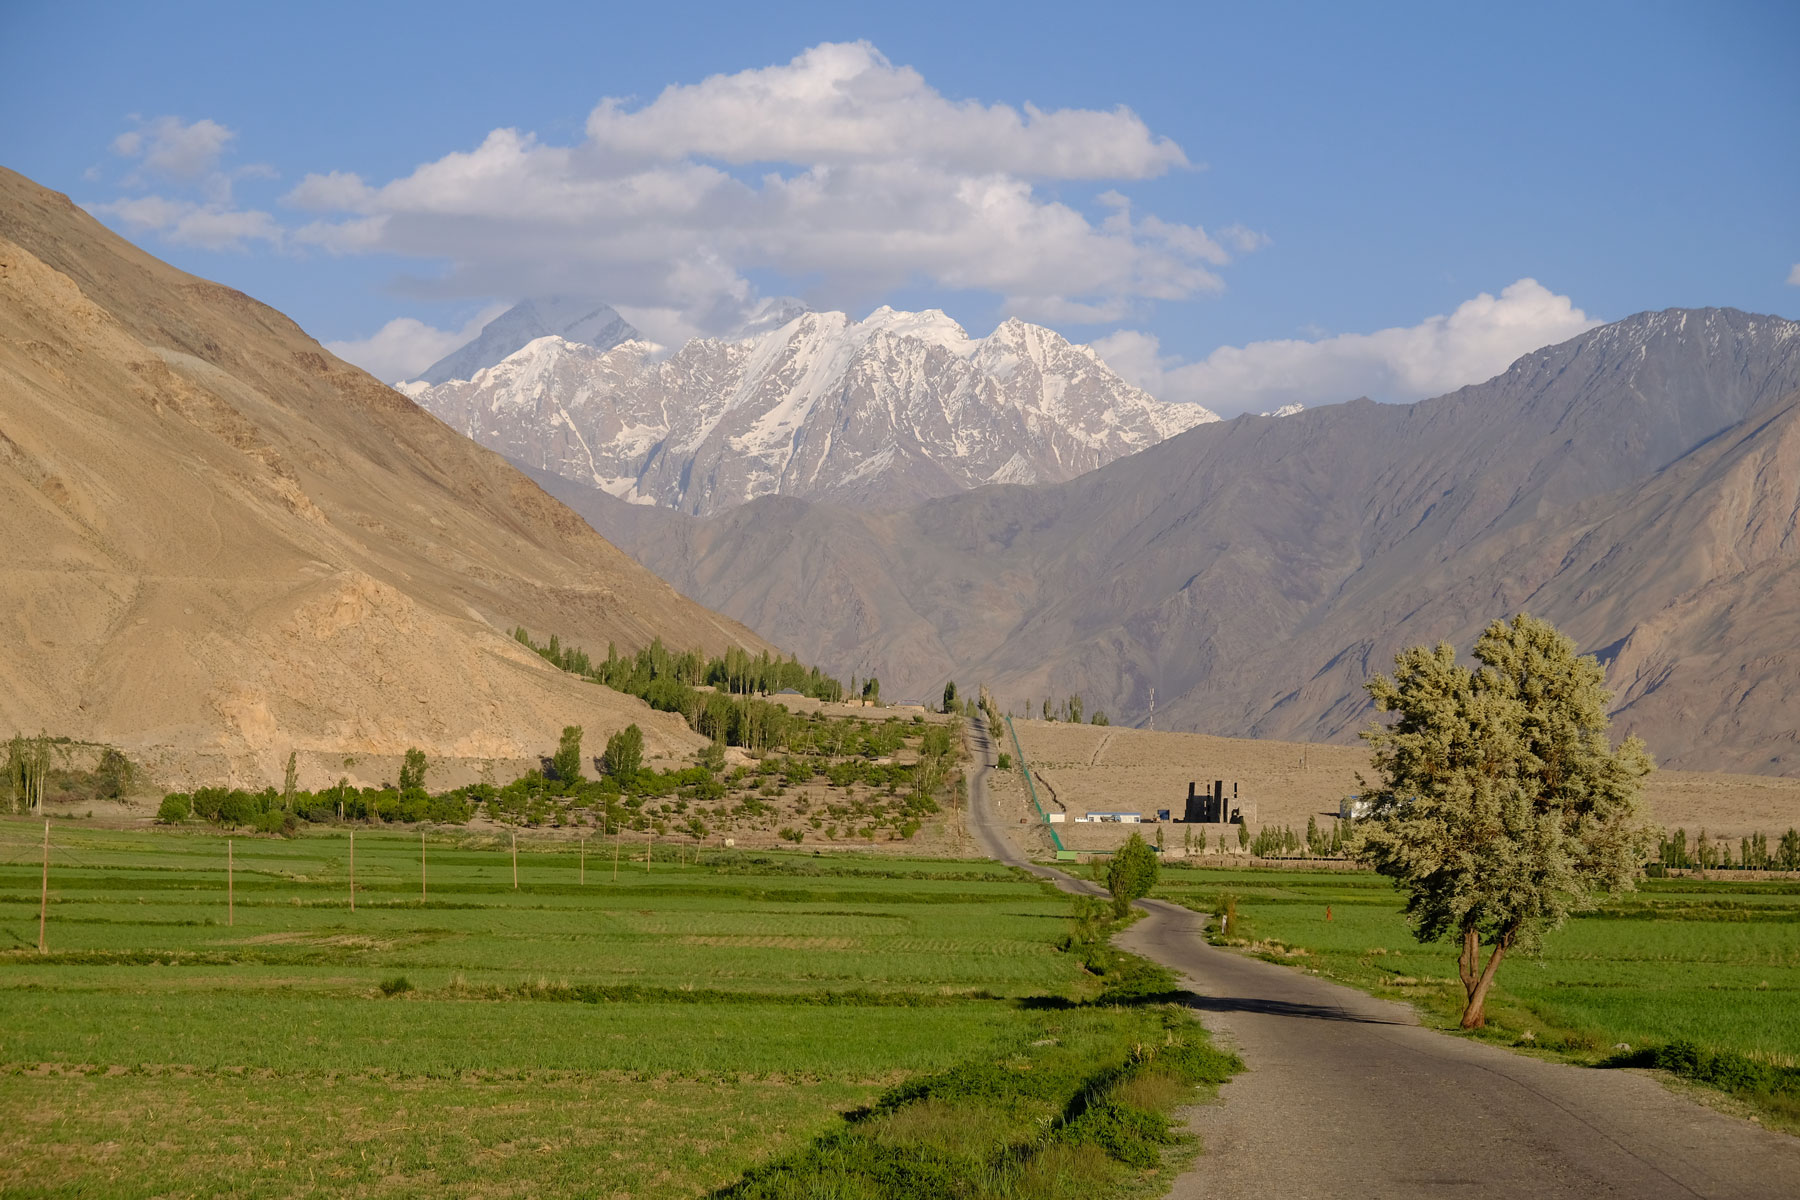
1348, 1096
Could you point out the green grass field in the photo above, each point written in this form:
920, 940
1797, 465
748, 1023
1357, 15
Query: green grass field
657, 1035
1714, 963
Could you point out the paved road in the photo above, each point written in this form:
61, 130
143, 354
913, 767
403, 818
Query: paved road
1347, 1096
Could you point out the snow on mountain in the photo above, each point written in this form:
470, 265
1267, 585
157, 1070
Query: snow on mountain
578, 320
887, 411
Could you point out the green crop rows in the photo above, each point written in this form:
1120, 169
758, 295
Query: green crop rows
655, 1035
1715, 964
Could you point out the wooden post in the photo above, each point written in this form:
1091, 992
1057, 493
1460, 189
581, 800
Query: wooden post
44, 894
353, 870
515, 852
421, 864
584, 860
616, 856
230, 898
649, 847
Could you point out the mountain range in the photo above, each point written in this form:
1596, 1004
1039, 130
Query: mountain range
223, 545
578, 320
875, 414
1638, 485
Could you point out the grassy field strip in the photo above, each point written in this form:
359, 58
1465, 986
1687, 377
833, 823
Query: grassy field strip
540, 1136
653, 1037
1716, 964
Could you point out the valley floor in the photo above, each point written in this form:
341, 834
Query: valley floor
215, 1018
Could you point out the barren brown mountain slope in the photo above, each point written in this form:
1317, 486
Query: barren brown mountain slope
1638, 485
221, 543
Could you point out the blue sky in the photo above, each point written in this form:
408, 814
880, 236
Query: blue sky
1302, 202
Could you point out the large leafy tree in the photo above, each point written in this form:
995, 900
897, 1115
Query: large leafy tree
1131, 873
1501, 806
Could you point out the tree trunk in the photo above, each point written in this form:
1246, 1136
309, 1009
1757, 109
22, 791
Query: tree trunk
1474, 1016
1468, 963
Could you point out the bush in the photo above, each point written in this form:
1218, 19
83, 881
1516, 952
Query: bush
275, 821
395, 986
175, 808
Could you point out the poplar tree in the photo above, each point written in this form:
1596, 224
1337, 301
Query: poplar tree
1501, 805
624, 756
566, 762
412, 770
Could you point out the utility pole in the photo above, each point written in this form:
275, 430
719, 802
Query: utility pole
44, 895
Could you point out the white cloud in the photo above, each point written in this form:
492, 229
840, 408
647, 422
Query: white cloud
865, 179
1476, 342
174, 149
846, 103
403, 347
186, 157
186, 223
1794, 275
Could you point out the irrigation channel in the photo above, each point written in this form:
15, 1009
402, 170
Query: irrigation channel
1348, 1096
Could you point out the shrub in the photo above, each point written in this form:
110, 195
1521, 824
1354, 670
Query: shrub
175, 808
275, 821
395, 986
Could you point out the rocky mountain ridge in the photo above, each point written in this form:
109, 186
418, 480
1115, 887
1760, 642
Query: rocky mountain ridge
586, 321
878, 413
1638, 485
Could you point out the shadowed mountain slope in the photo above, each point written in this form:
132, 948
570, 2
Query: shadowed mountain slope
223, 544
1636, 485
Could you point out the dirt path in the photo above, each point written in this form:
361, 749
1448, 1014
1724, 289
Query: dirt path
1348, 1096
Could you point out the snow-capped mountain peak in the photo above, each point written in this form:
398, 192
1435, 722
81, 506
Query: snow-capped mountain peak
573, 318
897, 407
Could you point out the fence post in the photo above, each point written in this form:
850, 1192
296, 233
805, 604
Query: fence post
353, 870
421, 864
515, 856
44, 894
230, 896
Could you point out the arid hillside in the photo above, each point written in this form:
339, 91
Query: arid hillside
222, 544
1639, 486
